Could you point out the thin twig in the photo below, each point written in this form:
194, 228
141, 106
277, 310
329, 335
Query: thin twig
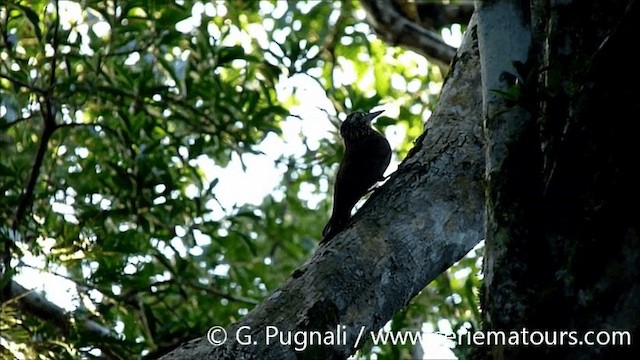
24, 84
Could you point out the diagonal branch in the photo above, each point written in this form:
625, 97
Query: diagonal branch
29, 87
34, 303
397, 29
428, 215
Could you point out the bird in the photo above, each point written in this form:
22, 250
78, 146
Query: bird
366, 157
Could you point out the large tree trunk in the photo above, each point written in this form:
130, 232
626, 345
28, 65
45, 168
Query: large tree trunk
562, 230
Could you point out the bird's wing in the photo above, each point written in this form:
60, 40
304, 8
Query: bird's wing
374, 155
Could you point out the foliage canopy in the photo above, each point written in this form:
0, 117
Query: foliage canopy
118, 120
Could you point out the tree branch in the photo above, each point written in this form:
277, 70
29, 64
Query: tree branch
34, 303
23, 84
436, 15
48, 116
397, 29
427, 216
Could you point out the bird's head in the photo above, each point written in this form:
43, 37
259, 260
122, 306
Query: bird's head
358, 124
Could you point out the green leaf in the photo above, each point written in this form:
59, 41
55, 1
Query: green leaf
228, 54
34, 19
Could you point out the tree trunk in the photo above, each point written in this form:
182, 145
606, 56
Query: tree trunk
562, 235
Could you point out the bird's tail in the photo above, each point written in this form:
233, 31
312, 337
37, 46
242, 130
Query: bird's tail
334, 226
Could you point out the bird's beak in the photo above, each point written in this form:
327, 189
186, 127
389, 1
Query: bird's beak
373, 115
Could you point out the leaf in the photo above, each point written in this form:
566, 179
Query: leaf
228, 54
33, 18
